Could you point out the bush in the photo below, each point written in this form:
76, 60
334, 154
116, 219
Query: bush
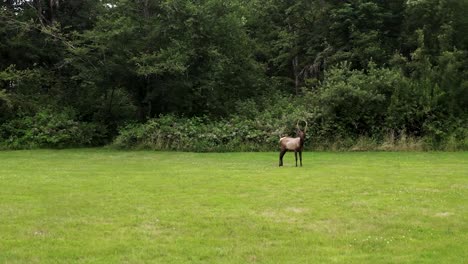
51, 130
351, 111
199, 134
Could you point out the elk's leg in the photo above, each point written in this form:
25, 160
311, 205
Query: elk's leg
295, 155
300, 157
283, 151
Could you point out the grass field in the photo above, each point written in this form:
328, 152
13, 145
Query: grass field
105, 206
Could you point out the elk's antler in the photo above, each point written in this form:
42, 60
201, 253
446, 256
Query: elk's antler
306, 124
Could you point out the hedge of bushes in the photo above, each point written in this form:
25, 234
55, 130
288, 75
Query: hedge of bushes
50, 129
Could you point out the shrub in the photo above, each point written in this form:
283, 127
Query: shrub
49, 129
237, 133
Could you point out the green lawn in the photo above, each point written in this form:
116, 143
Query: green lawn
105, 206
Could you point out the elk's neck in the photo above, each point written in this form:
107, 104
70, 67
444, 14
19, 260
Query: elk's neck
301, 141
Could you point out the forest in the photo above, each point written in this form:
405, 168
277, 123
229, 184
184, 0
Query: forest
215, 75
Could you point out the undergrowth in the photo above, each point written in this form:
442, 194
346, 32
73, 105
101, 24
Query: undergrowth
238, 134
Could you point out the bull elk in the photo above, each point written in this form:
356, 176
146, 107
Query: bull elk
295, 144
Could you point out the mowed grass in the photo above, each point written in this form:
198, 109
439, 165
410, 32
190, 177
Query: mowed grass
105, 206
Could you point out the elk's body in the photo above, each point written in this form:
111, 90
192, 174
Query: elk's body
295, 144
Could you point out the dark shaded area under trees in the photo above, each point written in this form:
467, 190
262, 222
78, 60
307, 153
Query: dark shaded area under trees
218, 75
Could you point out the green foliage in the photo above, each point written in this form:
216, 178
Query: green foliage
358, 69
50, 130
352, 102
196, 134
5, 103
260, 132
350, 110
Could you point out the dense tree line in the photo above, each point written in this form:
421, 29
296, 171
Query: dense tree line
76, 72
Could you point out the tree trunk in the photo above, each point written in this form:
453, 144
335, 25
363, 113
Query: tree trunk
10, 4
145, 9
38, 6
109, 110
52, 4
295, 64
